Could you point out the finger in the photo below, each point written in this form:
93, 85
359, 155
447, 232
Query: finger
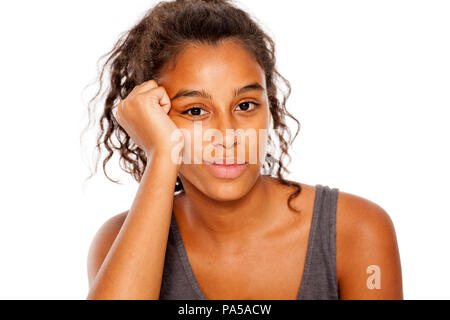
144, 87
161, 96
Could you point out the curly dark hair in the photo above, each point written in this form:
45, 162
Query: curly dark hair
141, 53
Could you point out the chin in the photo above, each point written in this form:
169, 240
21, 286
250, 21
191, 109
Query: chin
230, 189
224, 189
227, 190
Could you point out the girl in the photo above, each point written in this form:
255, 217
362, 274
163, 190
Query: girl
225, 227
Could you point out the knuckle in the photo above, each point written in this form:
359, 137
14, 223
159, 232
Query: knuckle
152, 82
133, 91
157, 90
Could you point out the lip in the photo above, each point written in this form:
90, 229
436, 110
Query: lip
225, 161
227, 171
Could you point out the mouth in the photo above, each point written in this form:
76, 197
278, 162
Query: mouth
226, 161
226, 169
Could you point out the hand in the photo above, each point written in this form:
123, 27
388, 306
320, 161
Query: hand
144, 116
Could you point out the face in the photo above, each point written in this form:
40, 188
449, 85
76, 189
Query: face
219, 100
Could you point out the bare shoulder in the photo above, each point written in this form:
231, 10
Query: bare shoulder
101, 243
366, 243
361, 217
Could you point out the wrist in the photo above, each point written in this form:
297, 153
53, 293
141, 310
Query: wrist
166, 158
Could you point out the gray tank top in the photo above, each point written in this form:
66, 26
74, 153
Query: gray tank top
319, 281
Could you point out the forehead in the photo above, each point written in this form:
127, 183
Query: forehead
228, 64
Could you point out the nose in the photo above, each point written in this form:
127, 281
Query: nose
230, 138
229, 141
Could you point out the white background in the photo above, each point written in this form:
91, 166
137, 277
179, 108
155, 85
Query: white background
371, 88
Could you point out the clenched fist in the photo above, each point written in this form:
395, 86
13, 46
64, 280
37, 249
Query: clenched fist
144, 116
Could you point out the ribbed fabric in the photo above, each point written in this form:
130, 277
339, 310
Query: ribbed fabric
319, 281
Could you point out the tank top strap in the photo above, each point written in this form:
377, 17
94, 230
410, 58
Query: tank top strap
320, 279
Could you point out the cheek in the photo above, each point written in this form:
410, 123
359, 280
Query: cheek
256, 139
192, 143
262, 145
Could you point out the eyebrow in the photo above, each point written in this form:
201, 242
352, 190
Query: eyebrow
206, 95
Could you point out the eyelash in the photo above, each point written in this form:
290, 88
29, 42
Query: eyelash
254, 103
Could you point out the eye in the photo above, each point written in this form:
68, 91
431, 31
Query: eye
247, 106
196, 112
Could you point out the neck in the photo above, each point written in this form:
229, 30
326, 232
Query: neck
225, 222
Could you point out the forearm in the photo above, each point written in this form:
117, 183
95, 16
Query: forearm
134, 264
